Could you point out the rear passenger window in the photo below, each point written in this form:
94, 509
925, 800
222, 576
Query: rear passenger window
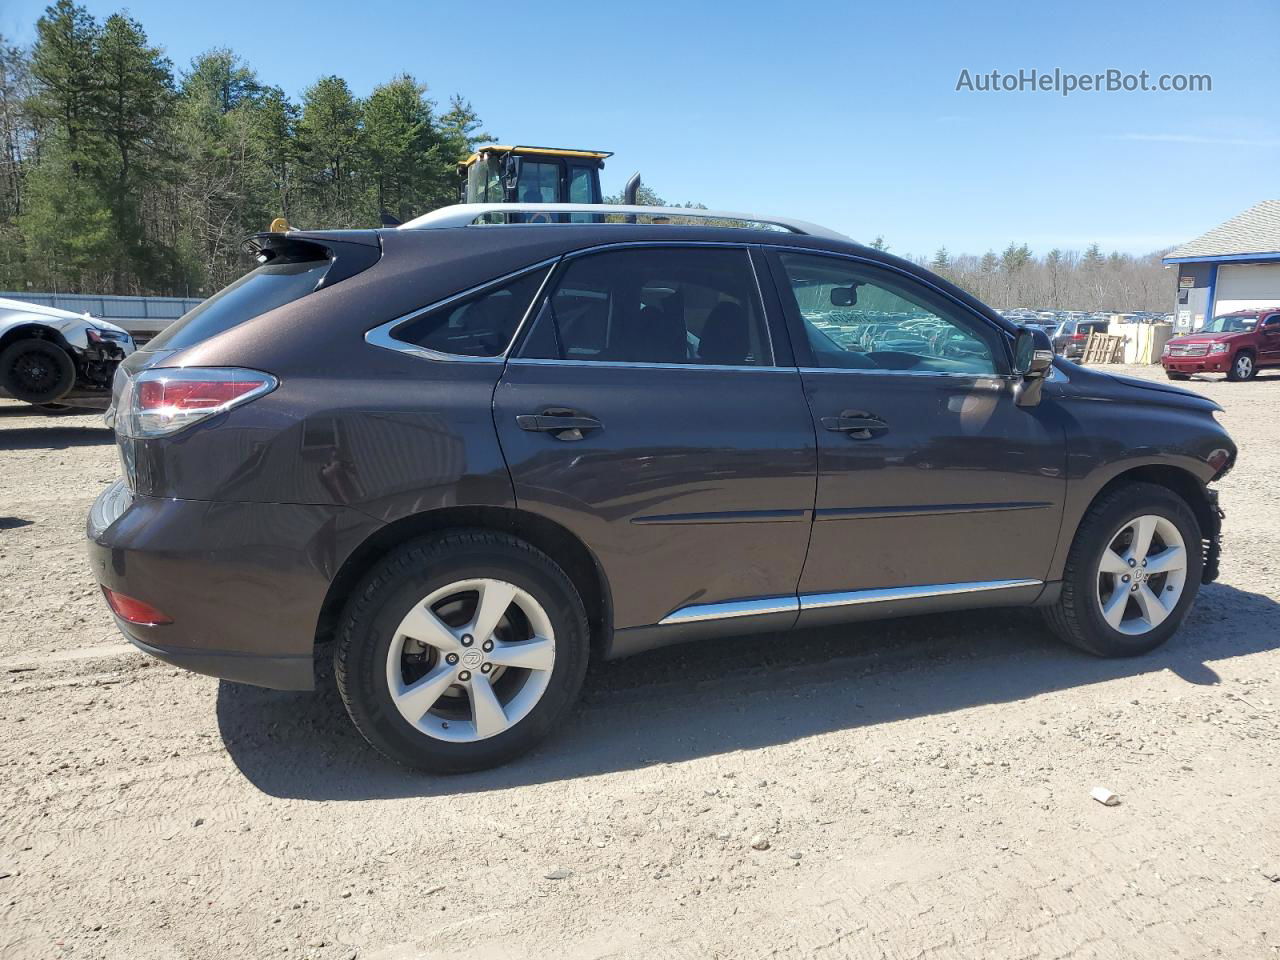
480, 325
676, 305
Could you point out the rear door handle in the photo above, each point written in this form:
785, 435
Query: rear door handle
858, 424
561, 424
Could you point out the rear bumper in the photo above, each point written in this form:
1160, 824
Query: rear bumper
244, 583
277, 673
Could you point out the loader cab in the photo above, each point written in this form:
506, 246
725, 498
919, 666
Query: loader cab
504, 174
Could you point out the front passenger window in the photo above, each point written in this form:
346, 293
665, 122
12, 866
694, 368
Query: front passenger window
861, 318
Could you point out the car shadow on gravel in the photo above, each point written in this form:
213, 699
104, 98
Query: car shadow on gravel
738, 694
54, 438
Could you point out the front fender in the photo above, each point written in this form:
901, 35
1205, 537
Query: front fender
1114, 436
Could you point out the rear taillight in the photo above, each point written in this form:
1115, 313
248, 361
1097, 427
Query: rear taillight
164, 400
133, 610
1078, 336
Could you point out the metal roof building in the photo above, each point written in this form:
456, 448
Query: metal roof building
1234, 266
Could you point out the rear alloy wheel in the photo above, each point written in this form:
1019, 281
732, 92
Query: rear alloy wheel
460, 652
36, 371
470, 660
1243, 367
1132, 573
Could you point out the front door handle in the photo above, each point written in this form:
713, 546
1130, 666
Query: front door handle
857, 424
561, 424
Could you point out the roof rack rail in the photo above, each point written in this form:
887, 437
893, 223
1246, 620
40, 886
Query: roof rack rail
466, 214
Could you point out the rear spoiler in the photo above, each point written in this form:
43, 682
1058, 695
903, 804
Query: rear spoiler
349, 251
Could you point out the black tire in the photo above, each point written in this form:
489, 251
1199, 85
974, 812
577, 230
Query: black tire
1177, 376
414, 571
36, 371
1244, 366
1076, 617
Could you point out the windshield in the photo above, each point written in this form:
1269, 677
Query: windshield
484, 181
1236, 324
269, 286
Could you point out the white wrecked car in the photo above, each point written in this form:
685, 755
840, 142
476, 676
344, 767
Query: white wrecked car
54, 358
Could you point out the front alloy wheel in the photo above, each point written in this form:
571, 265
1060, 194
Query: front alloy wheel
1141, 575
1132, 573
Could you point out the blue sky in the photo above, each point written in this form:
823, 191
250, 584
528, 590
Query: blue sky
841, 113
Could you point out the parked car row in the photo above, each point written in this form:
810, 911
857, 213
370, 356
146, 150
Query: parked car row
917, 332
1070, 330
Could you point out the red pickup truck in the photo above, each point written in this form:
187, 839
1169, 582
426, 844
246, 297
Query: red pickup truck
1238, 344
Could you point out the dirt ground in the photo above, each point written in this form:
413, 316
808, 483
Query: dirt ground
922, 786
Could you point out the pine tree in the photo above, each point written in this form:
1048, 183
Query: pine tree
64, 65
132, 106
403, 153
330, 138
66, 217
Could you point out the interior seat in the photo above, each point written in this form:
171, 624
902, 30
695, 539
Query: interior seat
726, 337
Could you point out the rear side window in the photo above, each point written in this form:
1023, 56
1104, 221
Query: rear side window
479, 325
655, 305
269, 286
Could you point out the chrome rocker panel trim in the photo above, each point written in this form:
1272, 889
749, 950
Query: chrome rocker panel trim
819, 601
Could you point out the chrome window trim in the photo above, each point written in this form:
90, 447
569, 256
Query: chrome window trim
757, 606
381, 335
997, 379
638, 365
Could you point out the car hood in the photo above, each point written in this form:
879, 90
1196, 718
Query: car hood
105, 325
1206, 337
63, 320
1111, 386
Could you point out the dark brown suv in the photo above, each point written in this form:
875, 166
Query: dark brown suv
472, 457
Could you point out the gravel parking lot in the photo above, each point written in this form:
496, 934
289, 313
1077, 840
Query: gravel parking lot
911, 789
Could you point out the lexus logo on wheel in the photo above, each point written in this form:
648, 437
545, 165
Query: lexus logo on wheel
472, 658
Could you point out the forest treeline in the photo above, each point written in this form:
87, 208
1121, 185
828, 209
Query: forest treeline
120, 173
1060, 279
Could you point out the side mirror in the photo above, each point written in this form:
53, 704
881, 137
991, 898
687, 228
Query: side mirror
844, 296
1032, 361
1032, 353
